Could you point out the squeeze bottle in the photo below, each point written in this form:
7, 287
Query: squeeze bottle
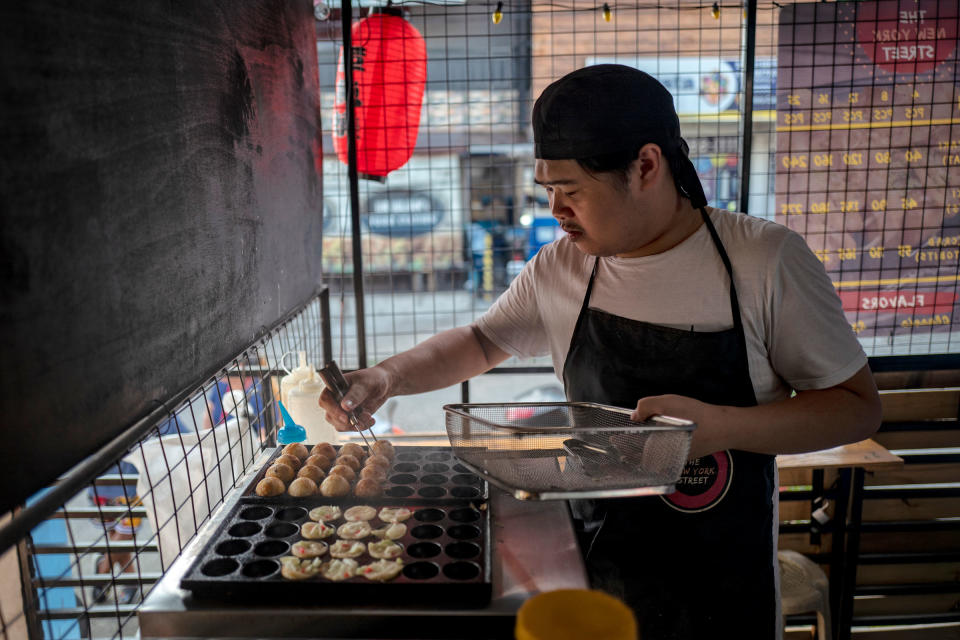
302, 372
304, 406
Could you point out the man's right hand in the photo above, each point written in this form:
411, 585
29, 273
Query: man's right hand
369, 389
450, 357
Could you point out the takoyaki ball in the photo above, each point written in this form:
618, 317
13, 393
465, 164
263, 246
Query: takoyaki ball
377, 460
350, 461
335, 486
297, 450
291, 461
282, 472
324, 449
394, 514
344, 471
383, 448
309, 549
302, 487
317, 530
373, 473
354, 530
367, 488
347, 549
314, 473
384, 549
325, 513
319, 460
293, 568
353, 449
270, 486
360, 512
379, 570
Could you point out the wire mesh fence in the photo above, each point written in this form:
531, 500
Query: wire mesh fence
446, 233
87, 567
835, 119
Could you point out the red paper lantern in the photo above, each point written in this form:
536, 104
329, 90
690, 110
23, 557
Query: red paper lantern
389, 75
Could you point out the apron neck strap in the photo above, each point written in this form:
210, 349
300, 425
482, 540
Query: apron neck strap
593, 276
734, 303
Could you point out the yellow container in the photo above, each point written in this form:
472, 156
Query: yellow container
575, 614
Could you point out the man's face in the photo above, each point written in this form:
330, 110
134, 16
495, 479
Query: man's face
599, 214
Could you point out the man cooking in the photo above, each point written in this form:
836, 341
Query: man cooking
655, 301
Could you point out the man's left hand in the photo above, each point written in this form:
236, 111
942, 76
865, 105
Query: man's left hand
704, 442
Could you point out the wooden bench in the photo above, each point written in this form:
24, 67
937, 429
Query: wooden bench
907, 579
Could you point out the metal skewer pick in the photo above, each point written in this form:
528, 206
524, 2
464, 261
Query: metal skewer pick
333, 378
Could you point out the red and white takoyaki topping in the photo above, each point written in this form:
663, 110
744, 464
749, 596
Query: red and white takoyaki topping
381, 570
393, 531
354, 530
395, 514
293, 568
360, 513
384, 549
339, 569
308, 549
326, 513
347, 549
316, 530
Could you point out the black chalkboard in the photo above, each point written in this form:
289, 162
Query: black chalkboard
160, 204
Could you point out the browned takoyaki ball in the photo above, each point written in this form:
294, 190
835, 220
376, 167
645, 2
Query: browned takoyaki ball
383, 448
309, 471
367, 488
324, 449
335, 486
291, 461
377, 460
348, 460
373, 472
302, 487
282, 472
270, 486
344, 472
319, 460
297, 450
353, 449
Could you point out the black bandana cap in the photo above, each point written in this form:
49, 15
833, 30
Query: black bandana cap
608, 108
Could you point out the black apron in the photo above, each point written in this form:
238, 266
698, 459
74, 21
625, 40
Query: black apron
698, 563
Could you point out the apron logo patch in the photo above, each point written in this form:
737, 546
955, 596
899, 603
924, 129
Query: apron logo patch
703, 483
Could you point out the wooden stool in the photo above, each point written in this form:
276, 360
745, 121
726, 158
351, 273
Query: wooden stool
804, 588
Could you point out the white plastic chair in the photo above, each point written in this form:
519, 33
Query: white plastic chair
804, 588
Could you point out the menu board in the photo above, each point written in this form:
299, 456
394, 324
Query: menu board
868, 161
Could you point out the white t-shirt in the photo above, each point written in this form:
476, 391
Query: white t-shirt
797, 335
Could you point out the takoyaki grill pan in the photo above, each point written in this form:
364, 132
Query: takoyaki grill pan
417, 473
446, 558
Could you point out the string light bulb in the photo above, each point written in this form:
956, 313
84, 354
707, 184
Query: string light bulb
320, 10
607, 13
497, 13
715, 11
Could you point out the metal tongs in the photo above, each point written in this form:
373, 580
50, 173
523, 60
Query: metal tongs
333, 378
596, 460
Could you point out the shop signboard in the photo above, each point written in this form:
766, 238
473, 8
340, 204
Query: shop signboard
868, 161
413, 222
704, 86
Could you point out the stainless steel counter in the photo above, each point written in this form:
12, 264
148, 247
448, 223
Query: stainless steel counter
534, 550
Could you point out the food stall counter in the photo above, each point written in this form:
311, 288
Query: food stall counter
534, 549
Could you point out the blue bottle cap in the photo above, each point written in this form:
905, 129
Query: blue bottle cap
290, 432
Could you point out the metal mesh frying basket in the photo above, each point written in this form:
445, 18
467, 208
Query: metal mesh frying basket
553, 450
